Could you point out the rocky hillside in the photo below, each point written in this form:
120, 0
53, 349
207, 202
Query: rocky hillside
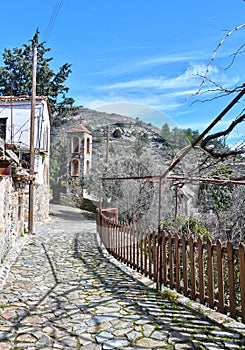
126, 135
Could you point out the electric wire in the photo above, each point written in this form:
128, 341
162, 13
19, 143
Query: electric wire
52, 20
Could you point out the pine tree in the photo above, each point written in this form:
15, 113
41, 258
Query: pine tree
16, 74
166, 132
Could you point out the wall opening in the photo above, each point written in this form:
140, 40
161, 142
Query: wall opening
75, 167
88, 145
87, 167
3, 124
75, 144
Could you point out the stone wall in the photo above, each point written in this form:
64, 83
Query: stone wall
12, 215
14, 209
41, 202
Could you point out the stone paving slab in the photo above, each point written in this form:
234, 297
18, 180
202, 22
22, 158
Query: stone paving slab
63, 292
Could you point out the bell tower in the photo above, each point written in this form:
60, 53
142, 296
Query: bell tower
79, 156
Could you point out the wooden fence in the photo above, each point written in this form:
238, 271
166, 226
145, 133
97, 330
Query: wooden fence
212, 274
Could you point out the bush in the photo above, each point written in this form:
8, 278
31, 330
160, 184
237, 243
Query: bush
99, 139
186, 227
57, 122
117, 133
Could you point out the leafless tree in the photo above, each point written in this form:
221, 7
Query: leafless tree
217, 90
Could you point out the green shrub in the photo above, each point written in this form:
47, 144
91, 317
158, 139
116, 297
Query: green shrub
117, 133
99, 139
186, 227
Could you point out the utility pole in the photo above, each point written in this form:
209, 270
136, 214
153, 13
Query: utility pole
32, 133
11, 114
107, 145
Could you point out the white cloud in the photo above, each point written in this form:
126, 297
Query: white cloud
163, 93
189, 79
143, 64
165, 60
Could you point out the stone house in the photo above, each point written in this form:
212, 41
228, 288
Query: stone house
15, 113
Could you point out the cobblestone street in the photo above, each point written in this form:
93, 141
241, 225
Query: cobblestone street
63, 293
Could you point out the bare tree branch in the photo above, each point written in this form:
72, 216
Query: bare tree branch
220, 87
235, 54
222, 154
226, 36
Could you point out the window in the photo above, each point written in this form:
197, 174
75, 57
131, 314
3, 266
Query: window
45, 139
75, 144
75, 167
19, 207
87, 167
3, 122
88, 145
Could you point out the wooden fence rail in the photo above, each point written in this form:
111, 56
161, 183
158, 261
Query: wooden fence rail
210, 273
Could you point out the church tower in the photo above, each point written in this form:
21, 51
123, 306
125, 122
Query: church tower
79, 155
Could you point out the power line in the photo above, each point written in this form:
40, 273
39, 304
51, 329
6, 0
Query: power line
52, 20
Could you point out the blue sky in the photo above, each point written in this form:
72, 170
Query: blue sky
136, 51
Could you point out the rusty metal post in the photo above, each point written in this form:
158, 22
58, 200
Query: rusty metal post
107, 145
11, 114
132, 218
160, 203
176, 202
101, 194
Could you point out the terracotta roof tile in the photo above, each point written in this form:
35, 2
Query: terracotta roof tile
21, 98
79, 128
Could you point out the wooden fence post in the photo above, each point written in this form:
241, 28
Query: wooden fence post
231, 280
124, 243
141, 251
220, 266
185, 275
164, 263
193, 269
134, 246
149, 241
145, 253
128, 245
242, 278
171, 261
177, 259
159, 260
155, 241
138, 248
201, 270
210, 274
